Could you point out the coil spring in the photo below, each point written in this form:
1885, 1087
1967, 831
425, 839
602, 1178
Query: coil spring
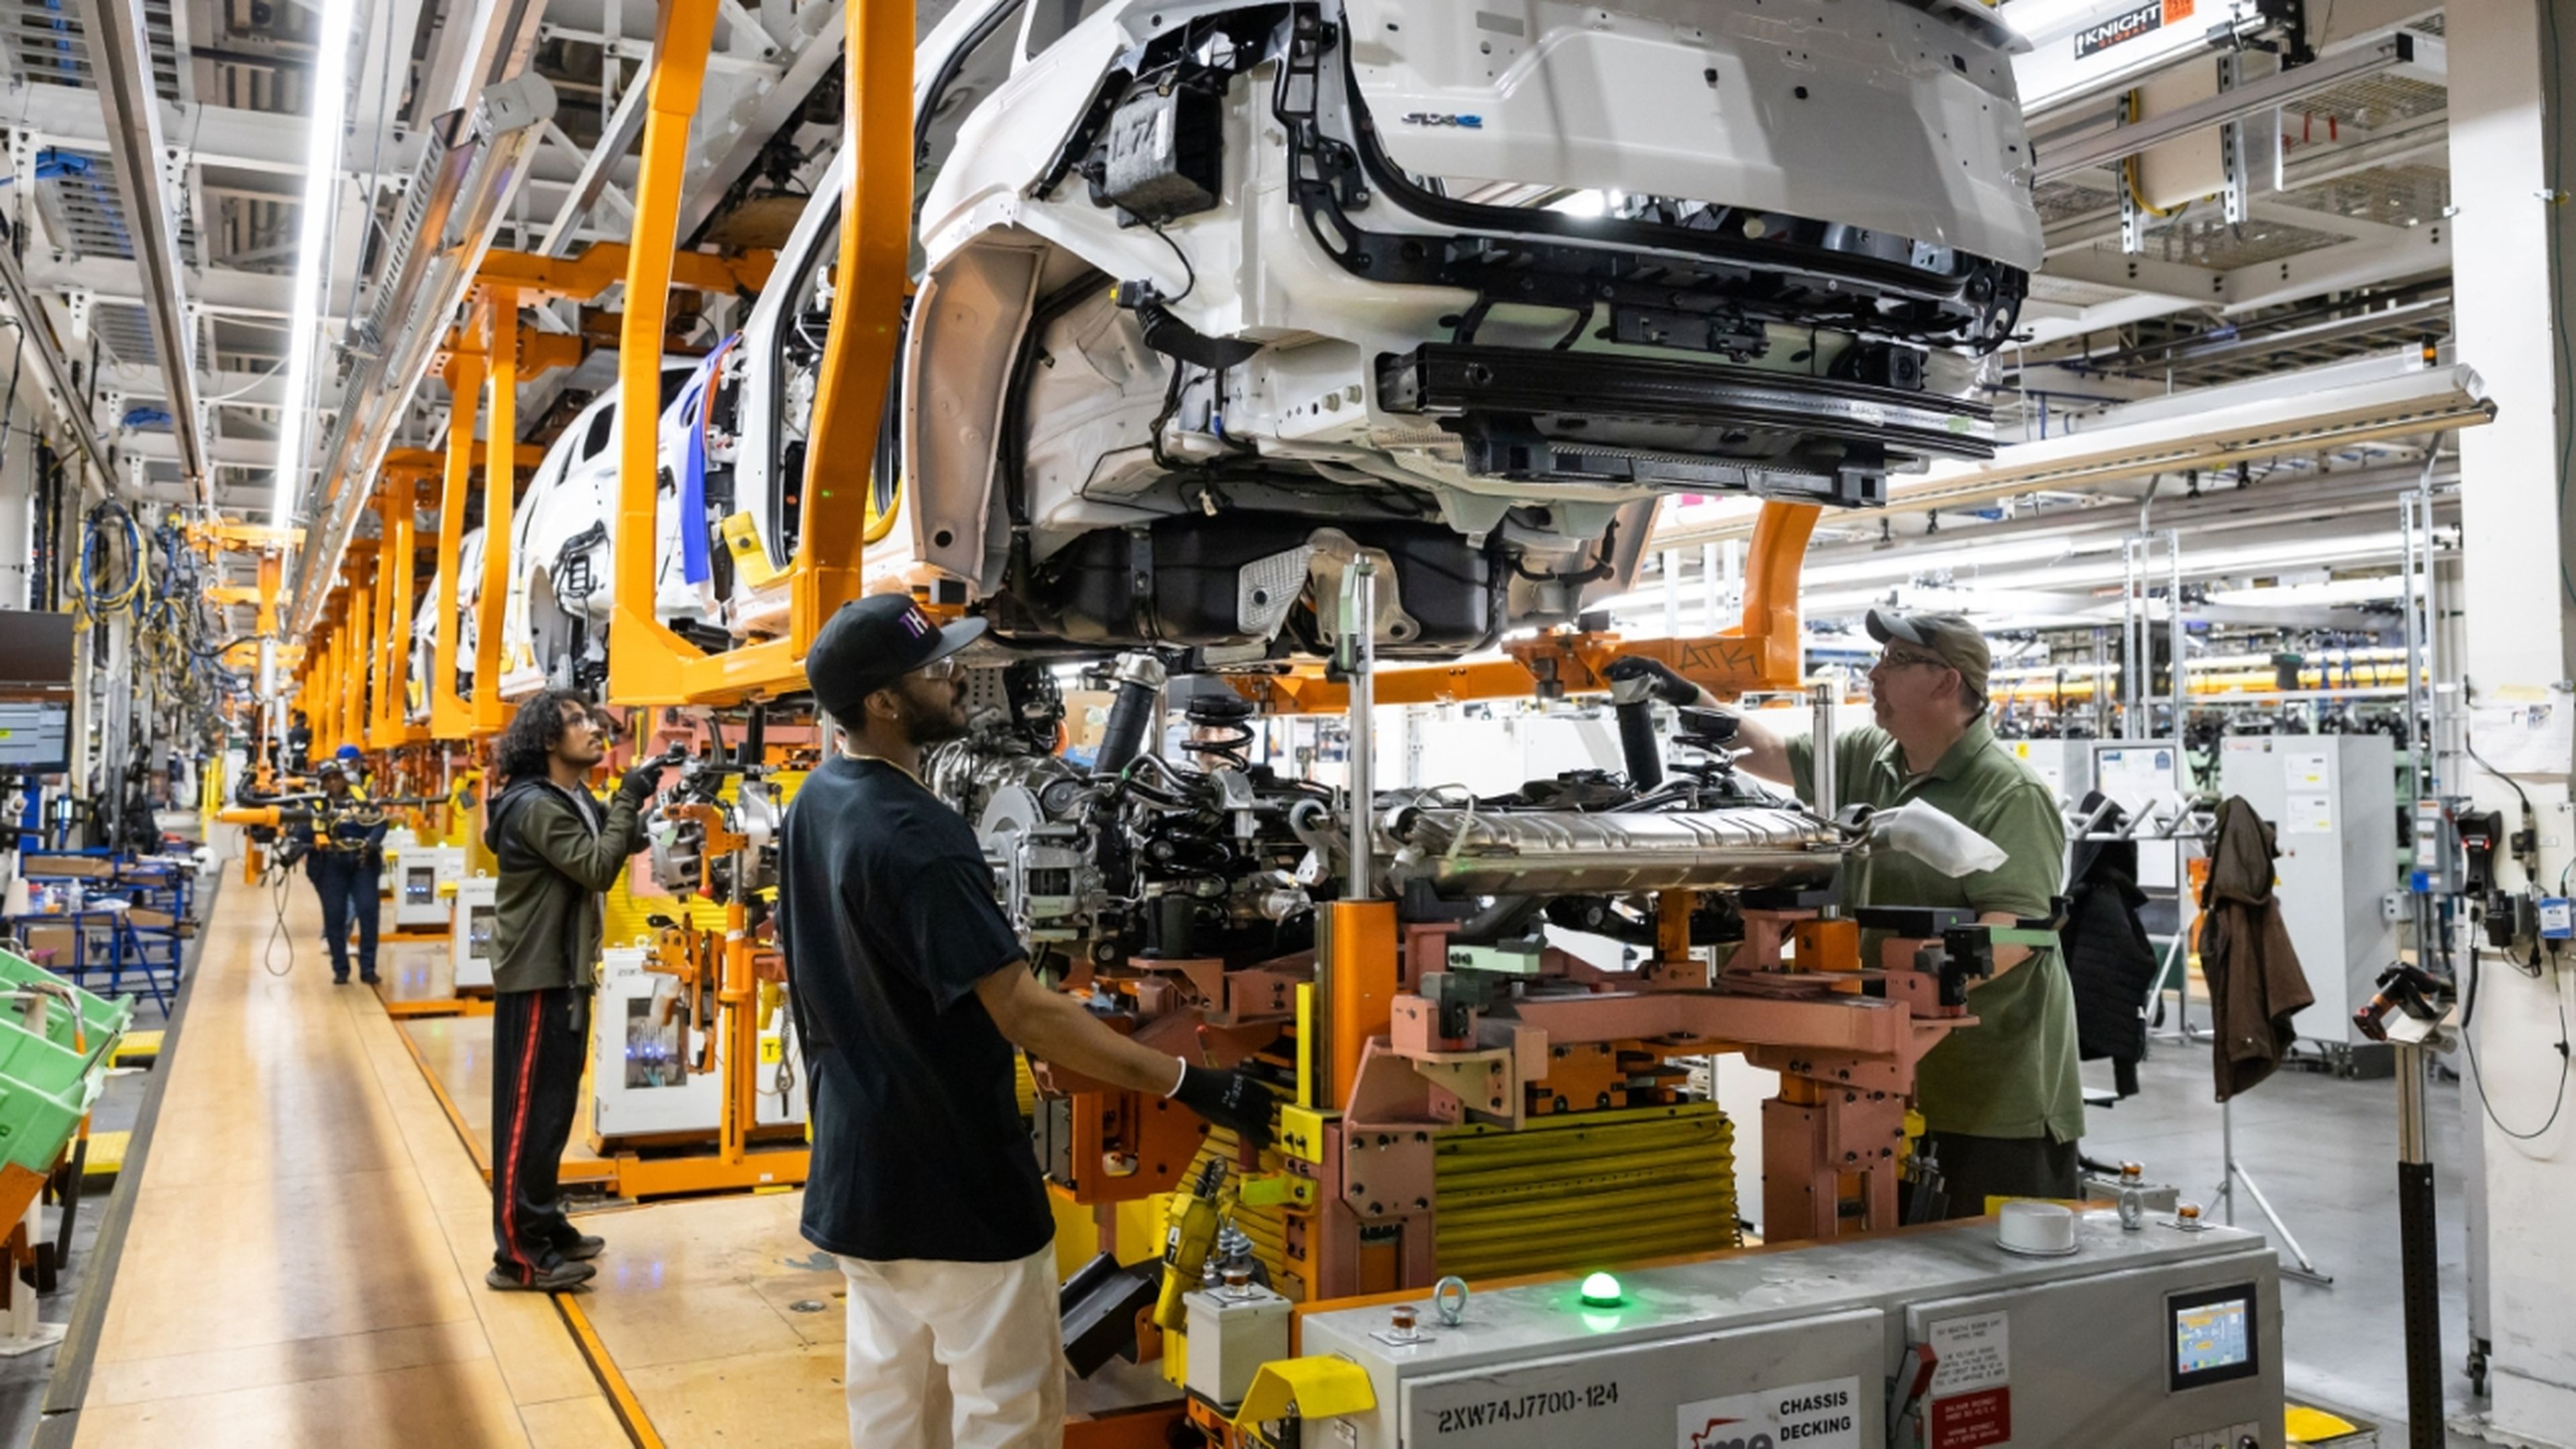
1221, 726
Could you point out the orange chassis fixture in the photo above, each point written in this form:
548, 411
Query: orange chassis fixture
1402, 1074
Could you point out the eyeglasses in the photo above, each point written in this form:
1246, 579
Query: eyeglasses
940, 669
1906, 658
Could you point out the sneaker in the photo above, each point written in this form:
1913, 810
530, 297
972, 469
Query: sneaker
561, 1278
581, 1249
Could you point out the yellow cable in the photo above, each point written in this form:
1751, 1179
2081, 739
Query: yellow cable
2129, 173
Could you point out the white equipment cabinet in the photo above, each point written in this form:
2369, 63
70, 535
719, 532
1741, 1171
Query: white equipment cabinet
476, 898
415, 873
2065, 766
641, 1042
2332, 801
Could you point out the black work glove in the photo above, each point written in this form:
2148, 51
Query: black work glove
1229, 1099
1669, 686
641, 782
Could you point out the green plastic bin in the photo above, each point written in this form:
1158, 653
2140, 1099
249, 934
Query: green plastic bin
46, 1085
99, 1016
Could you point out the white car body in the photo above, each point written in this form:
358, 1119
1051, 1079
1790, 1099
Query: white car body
562, 562
1356, 335
424, 628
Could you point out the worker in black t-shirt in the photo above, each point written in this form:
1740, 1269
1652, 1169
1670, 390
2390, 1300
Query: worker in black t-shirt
910, 991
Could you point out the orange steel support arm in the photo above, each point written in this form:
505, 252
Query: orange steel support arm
353, 665
449, 717
647, 662
272, 578
1761, 653
588, 273
397, 711
320, 681
500, 484
380, 623
867, 312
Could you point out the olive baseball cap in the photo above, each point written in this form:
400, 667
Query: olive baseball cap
1949, 638
870, 643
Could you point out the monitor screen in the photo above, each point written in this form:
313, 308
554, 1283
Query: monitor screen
2214, 1336
35, 650
35, 737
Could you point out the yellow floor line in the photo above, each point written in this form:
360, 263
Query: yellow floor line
621, 1395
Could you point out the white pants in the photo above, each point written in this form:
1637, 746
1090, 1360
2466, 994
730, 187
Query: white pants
955, 1355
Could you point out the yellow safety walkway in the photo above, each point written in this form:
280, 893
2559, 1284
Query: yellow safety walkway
305, 1263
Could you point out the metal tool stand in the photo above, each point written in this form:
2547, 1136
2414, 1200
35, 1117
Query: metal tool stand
2188, 824
2431, 718
2418, 1257
2235, 1173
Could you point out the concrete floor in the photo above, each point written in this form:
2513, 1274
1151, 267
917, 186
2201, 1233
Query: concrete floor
2324, 1151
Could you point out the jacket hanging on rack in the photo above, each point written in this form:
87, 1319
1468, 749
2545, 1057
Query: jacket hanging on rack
2255, 984
2108, 957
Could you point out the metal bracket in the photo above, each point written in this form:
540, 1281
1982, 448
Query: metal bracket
2133, 218
2231, 148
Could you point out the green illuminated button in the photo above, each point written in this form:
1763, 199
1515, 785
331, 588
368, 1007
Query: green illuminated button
1601, 1291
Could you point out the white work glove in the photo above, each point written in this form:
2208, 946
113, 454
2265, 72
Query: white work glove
1936, 838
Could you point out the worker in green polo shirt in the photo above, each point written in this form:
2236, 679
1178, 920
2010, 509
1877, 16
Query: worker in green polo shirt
2001, 1100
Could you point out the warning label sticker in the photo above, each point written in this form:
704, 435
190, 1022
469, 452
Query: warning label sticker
1972, 1421
1974, 1352
1822, 1415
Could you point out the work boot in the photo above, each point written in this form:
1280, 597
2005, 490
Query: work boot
581, 1249
340, 978
561, 1278
369, 977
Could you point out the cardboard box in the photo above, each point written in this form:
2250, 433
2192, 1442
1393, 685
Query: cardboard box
90, 866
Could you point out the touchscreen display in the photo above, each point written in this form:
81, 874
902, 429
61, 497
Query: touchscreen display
2210, 1336
2217, 1336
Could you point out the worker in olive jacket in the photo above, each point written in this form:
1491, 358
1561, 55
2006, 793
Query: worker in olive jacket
558, 851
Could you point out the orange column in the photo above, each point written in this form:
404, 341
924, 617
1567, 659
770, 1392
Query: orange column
380, 626
353, 659
449, 718
500, 486
398, 612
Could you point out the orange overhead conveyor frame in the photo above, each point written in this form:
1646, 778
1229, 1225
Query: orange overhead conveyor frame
650, 664
450, 718
500, 326
1761, 653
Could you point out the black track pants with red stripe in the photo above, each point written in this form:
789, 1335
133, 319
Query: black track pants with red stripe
536, 1088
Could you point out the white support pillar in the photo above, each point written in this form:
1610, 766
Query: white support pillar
2516, 590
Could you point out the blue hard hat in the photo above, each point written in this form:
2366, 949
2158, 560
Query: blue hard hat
347, 752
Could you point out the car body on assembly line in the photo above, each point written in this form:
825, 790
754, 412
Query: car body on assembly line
1215, 298
563, 533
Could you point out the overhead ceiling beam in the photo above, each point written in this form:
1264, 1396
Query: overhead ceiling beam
35, 331
2363, 400
214, 135
121, 64
225, 388
2261, 94
2180, 280
219, 291
624, 125
727, 140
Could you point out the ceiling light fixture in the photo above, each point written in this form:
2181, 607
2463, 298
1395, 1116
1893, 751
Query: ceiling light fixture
333, 19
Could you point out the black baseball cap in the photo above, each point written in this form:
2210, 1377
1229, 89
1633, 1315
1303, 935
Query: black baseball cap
870, 643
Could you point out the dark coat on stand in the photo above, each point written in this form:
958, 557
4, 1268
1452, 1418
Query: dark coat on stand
2108, 957
2255, 984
